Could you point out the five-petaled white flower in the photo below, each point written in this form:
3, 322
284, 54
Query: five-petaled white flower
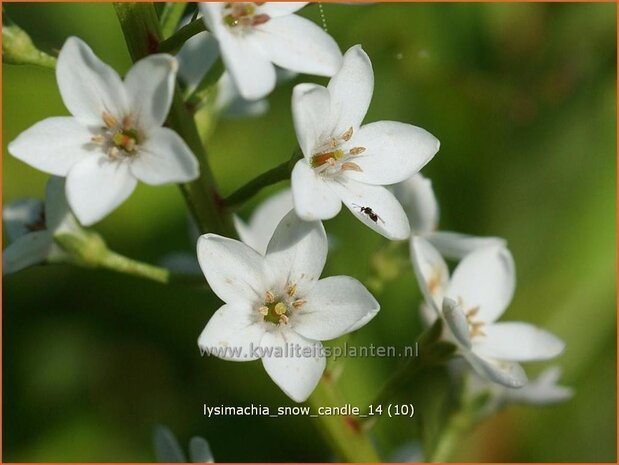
471, 300
115, 135
253, 37
31, 224
276, 308
346, 162
419, 201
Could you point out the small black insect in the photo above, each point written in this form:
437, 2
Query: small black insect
370, 213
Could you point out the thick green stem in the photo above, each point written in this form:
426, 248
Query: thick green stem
280, 173
140, 26
345, 434
176, 41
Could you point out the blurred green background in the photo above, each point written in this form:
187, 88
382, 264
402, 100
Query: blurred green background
523, 99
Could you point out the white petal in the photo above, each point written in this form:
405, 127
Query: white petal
509, 374
276, 9
150, 86
297, 44
544, 390
391, 221
252, 72
212, 15
351, 91
298, 368
197, 55
54, 145
393, 152
164, 158
263, 221
229, 101
484, 278
456, 246
234, 270
233, 333
296, 253
313, 197
310, 111
431, 271
88, 86
457, 322
57, 212
334, 307
417, 197
25, 251
18, 215
96, 186
520, 342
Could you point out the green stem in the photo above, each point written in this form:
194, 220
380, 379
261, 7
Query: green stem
171, 15
121, 264
345, 434
140, 26
280, 173
432, 351
176, 41
459, 424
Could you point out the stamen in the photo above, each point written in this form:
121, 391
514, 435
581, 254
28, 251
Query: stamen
264, 310
283, 319
297, 304
347, 135
356, 150
280, 308
351, 166
291, 290
270, 297
98, 139
109, 120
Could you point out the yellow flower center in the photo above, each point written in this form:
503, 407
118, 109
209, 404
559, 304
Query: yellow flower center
331, 158
243, 14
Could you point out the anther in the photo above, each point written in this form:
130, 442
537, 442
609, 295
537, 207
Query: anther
356, 150
283, 319
280, 308
264, 311
109, 120
351, 166
269, 298
347, 135
297, 304
291, 290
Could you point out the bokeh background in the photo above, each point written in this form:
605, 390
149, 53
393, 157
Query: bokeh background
523, 99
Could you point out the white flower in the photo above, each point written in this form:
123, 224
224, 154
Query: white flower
276, 304
31, 224
254, 37
346, 162
257, 232
471, 300
115, 135
417, 197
